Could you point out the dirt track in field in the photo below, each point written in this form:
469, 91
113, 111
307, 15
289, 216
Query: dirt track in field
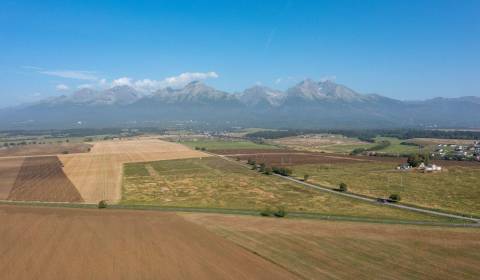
42, 179
98, 174
9, 169
56, 243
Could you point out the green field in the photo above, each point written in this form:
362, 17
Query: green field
219, 144
455, 189
216, 183
396, 146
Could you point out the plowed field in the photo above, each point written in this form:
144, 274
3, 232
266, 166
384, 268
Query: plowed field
55, 243
9, 169
42, 179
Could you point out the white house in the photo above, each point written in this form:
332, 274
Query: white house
432, 167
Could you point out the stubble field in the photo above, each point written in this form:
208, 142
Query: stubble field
346, 250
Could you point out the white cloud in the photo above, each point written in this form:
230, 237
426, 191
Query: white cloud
61, 87
123, 81
72, 74
188, 77
85, 86
149, 85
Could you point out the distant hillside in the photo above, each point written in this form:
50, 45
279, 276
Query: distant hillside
309, 104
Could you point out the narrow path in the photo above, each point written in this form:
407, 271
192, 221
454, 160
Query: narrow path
355, 196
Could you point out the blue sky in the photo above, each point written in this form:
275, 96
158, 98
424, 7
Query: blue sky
401, 49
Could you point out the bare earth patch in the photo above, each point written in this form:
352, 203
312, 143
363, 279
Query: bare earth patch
9, 169
57, 243
42, 179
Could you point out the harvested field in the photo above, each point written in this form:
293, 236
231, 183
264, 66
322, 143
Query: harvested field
45, 149
322, 142
345, 250
9, 169
98, 174
56, 243
42, 179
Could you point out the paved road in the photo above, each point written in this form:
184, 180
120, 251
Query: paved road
354, 196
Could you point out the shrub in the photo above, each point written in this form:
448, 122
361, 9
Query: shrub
268, 171
394, 197
282, 171
197, 148
305, 177
343, 187
102, 204
280, 213
203, 149
262, 167
267, 212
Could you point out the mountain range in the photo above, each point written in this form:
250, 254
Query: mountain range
308, 104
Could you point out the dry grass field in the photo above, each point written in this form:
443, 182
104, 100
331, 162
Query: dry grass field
455, 189
58, 243
42, 179
346, 250
216, 183
98, 174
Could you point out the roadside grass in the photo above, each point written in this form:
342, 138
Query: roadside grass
218, 144
216, 183
344, 250
453, 190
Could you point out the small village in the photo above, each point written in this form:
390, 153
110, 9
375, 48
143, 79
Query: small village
457, 152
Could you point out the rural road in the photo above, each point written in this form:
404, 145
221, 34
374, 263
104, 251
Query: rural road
354, 196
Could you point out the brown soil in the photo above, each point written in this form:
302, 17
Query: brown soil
42, 179
290, 157
9, 169
55, 243
45, 149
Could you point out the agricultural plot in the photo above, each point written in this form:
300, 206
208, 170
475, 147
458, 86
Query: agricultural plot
9, 169
217, 183
454, 189
59, 243
98, 174
331, 143
42, 179
344, 250
219, 144
45, 149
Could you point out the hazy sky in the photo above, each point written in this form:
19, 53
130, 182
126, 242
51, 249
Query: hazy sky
401, 49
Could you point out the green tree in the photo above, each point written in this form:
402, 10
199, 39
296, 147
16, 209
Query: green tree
395, 197
305, 177
343, 187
